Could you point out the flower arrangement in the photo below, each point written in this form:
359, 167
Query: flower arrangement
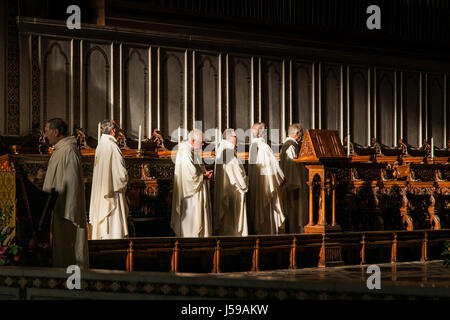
8, 250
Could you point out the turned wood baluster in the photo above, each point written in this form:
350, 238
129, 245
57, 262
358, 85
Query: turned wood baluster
216, 259
394, 249
130, 257
292, 258
363, 249
255, 260
424, 256
174, 261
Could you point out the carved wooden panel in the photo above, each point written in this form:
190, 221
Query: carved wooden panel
271, 98
358, 105
207, 89
301, 94
135, 100
56, 79
435, 109
331, 97
240, 92
385, 107
13, 79
97, 86
172, 91
411, 110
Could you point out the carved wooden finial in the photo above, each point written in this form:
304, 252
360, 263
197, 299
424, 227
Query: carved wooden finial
81, 138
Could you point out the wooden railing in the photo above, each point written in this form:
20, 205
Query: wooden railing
256, 253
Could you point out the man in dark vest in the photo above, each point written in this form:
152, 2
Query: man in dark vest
295, 190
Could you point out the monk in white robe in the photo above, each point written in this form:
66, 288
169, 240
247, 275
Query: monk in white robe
295, 190
265, 179
230, 188
108, 211
65, 175
191, 204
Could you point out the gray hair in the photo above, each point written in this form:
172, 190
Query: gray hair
294, 129
258, 129
227, 132
58, 123
108, 126
195, 134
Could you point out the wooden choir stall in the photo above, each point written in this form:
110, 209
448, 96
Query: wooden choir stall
363, 202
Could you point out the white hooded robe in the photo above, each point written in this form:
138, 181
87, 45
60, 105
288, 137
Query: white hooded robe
265, 179
230, 188
191, 204
108, 211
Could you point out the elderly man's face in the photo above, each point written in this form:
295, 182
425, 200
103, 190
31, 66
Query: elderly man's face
299, 136
232, 138
197, 143
51, 134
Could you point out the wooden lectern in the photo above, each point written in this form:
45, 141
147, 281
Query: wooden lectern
323, 155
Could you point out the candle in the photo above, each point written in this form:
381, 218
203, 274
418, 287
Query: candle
217, 137
348, 145
99, 131
432, 148
139, 141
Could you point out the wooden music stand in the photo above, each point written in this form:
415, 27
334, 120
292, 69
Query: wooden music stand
323, 155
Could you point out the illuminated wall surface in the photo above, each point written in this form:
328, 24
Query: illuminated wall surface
325, 64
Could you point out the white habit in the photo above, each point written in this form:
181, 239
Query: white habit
295, 191
109, 209
69, 224
265, 177
191, 206
230, 187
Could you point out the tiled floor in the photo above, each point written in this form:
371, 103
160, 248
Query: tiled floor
405, 281
430, 274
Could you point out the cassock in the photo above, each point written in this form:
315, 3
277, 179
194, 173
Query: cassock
108, 208
69, 224
265, 179
191, 205
230, 188
295, 190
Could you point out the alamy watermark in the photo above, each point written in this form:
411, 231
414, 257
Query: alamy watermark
374, 281
74, 280
74, 20
374, 20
